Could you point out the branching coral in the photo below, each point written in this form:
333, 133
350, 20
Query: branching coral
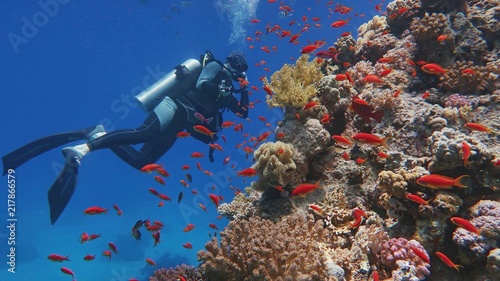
242, 206
257, 249
468, 78
294, 85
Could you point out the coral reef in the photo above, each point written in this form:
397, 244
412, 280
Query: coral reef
257, 249
485, 216
188, 272
397, 256
469, 78
293, 85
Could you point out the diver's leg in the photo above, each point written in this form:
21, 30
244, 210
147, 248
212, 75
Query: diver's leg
151, 151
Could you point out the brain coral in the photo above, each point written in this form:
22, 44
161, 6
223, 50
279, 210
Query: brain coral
257, 249
294, 85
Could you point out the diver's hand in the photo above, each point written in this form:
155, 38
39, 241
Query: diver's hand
225, 90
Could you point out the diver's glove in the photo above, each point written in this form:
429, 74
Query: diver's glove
225, 90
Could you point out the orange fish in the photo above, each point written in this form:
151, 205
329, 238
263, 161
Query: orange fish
189, 227
466, 154
420, 254
433, 68
465, 224
187, 245
371, 139
268, 90
447, 260
107, 253
468, 71
84, 238
204, 130
118, 210
309, 49
227, 124
203, 207
162, 172
372, 78
442, 38
309, 105
435, 181
305, 188
58, 258
214, 199
94, 210
416, 199
339, 23
159, 180
150, 261
383, 155
248, 172
196, 154
149, 168
341, 139
183, 134
477, 127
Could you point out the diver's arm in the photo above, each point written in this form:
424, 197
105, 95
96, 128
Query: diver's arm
205, 81
239, 108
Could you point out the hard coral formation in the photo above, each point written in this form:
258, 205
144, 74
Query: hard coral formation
469, 78
187, 271
485, 216
242, 206
257, 249
293, 86
397, 256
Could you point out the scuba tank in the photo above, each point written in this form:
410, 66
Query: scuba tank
176, 83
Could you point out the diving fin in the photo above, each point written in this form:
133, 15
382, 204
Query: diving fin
23, 154
62, 189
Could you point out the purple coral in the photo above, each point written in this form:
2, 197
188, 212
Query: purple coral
456, 100
399, 249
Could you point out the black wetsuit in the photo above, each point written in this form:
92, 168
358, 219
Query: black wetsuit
159, 135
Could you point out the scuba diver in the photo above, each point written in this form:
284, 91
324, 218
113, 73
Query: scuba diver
192, 95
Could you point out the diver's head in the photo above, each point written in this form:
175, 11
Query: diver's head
236, 62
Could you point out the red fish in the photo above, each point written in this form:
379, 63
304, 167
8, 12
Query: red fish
68, 271
268, 90
162, 172
435, 181
112, 246
341, 139
156, 237
107, 253
305, 188
466, 154
149, 168
187, 245
93, 236
477, 127
213, 226
214, 199
433, 68
309, 105
94, 210
309, 49
203, 207
416, 199
58, 258
150, 262
372, 78
183, 135
248, 172
371, 139
227, 124
89, 257
204, 130
84, 238
189, 227
465, 224
159, 180
420, 254
153, 191
340, 23
447, 260
366, 111
118, 210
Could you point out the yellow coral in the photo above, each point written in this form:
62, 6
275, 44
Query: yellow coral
294, 85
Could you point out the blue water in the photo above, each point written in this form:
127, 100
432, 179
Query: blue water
69, 65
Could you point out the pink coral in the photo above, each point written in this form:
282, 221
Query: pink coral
456, 100
398, 249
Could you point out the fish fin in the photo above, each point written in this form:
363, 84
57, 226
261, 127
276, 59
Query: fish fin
383, 142
378, 115
458, 181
